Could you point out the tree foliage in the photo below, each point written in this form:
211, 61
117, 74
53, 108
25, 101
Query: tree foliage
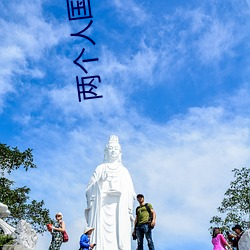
12, 159
17, 199
235, 206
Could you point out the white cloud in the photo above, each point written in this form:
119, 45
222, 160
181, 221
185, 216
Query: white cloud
131, 12
130, 72
183, 167
197, 34
217, 42
24, 38
66, 100
143, 64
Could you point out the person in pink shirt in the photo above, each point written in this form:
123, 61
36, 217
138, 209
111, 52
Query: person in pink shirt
218, 240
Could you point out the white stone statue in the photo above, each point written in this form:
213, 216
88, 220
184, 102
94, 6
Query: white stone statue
110, 198
244, 242
25, 235
4, 212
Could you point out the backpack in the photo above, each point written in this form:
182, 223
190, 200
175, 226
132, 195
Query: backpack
149, 212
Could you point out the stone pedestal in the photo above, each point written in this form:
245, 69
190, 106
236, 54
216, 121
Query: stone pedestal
13, 247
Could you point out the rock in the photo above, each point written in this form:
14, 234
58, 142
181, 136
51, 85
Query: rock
244, 242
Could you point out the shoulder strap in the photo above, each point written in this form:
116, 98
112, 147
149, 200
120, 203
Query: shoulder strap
137, 210
148, 208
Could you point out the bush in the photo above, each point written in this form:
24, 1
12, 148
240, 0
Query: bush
6, 240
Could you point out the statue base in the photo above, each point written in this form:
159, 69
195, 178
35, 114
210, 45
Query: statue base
12, 247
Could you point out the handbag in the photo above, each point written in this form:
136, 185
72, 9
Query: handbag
65, 236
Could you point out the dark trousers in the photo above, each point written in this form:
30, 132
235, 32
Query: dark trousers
142, 230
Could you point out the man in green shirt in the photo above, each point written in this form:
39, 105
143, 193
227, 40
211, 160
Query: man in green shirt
144, 223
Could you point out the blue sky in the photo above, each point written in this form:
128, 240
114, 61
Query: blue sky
176, 90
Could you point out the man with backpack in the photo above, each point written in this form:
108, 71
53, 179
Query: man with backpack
144, 223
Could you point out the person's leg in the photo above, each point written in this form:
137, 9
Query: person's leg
51, 247
140, 231
56, 245
148, 234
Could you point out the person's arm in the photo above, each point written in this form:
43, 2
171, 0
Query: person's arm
224, 242
84, 241
92, 246
135, 222
232, 235
154, 217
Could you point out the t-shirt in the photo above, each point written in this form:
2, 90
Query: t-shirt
219, 242
142, 214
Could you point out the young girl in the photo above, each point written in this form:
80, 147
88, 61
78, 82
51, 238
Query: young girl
218, 240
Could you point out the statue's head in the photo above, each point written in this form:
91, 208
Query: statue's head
113, 150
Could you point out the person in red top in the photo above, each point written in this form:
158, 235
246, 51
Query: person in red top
218, 240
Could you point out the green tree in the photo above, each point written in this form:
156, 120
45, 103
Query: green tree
235, 207
17, 199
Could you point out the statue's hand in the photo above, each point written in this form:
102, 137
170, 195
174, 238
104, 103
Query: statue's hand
90, 201
132, 217
104, 176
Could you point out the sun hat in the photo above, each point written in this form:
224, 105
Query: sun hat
59, 213
87, 229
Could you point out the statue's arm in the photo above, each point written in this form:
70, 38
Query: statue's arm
90, 191
93, 185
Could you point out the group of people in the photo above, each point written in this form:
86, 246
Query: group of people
110, 198
144, 223
57, 234
219, 241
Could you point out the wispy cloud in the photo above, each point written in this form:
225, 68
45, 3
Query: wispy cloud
216, 43
131, 12
23, 39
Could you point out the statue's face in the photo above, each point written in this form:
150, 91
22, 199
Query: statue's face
114, 150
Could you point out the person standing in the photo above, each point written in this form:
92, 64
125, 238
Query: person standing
85, 239
56, 231
239, 231
218, 240
143, 225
